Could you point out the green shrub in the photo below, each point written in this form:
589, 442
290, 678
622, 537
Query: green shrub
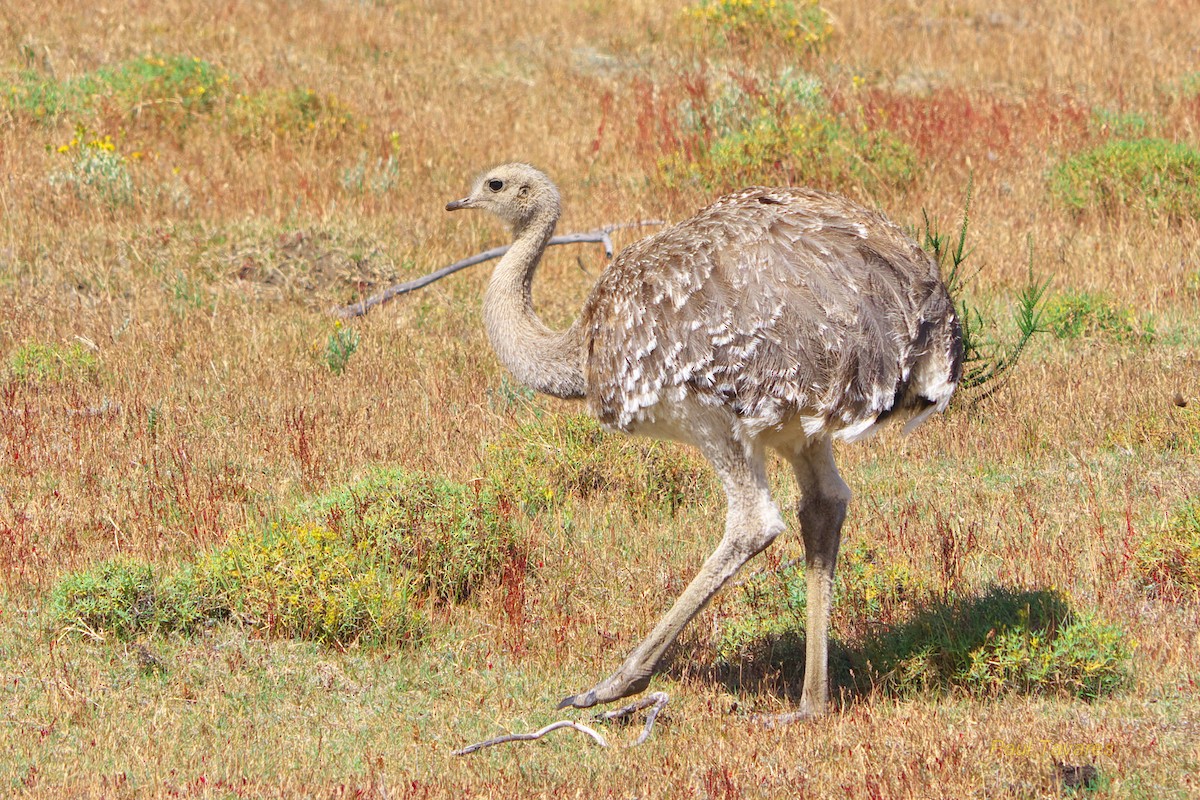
780, 130
34, 362
898, 634
1083, 658
545, 461
1170, 561
1000, 640
308, 582
800, 24
355, 566
1153, 176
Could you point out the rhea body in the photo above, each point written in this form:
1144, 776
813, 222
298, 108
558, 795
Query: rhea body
775, 318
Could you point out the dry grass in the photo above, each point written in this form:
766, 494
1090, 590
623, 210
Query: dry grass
187, 393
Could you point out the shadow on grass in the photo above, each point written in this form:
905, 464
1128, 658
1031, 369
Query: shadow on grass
996, 641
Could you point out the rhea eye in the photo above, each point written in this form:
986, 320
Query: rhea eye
495, 184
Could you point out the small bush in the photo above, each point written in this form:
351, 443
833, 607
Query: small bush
308, 582
543, 462
1001, 640
119, 596
1170, 561
900, 636
1075, 314
34, 362
780, 129
1153, 176
353, 567
452, 538
800, 24
1083, 658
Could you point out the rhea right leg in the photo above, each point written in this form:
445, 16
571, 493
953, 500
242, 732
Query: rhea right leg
824, 497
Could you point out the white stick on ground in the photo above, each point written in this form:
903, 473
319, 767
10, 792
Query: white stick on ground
658, 701
529, 737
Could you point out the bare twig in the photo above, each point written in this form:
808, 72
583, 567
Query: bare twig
601, 235
528, 737
658, 700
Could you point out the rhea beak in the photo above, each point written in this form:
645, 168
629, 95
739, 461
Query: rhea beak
455, 205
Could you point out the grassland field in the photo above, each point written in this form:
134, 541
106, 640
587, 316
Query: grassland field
249, 549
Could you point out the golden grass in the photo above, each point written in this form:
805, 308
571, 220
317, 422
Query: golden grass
204, 300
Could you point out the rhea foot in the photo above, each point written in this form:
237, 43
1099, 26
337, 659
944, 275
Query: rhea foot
612, 688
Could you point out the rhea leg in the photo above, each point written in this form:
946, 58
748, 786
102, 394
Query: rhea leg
824, 497
751, 523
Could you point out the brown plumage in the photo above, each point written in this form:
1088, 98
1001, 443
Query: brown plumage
785, 306
775, 317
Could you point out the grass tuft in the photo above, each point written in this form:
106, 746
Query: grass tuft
340, 345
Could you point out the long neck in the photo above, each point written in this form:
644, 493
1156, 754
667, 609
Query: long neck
548, 361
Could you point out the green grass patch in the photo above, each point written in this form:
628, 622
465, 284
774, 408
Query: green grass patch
168, 87
554, 459
1153, 176
341, 344
356, 566
38, 363
1075, 314
173, 92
